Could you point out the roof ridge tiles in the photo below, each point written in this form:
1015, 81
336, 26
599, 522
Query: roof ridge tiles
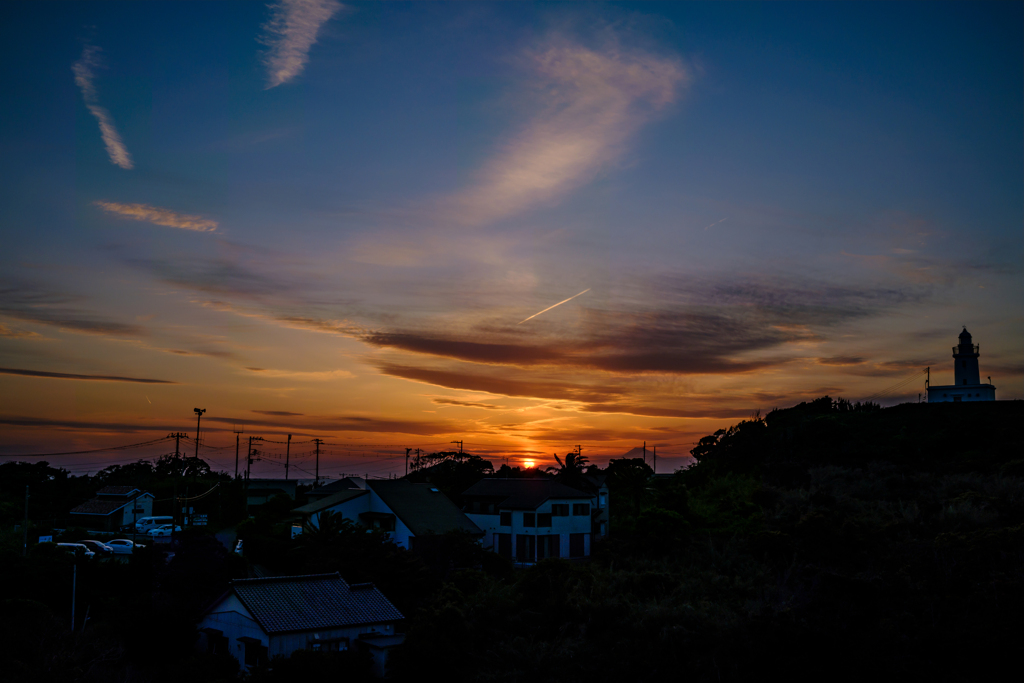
294, 577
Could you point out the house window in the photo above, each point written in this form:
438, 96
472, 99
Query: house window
529, 519
576, 545
255, 652
503, 542
335, 645
505, 519
602, 500
560, 510
544, 519
548, 546
580, 509
526, 548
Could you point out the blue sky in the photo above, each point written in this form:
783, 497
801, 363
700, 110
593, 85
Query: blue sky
344, 211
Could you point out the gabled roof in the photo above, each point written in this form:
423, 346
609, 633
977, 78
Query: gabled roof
422, 508
116, 491
105, 506
282, 604
329, 501
346, 484
522, 494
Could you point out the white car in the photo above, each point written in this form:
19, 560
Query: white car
98, 547
163, 530
122, 546
76, 549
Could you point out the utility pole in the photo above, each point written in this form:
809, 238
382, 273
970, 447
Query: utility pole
655, 459
317, 442
287, 456
252, 452
407, 461
645, 452
199, 417
24, 535
177, 462
579, 450
460, 446
74, 585
238, 433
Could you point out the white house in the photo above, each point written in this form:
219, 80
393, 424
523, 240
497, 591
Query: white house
113, 507
528, 520
257, 619
407, 512
967, 384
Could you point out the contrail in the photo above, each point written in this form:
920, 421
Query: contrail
550, 307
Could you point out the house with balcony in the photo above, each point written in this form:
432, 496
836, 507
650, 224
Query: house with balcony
409, 513
528, 520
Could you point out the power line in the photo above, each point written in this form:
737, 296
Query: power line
94, 450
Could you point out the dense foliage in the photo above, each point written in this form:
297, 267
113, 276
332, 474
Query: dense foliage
826, 541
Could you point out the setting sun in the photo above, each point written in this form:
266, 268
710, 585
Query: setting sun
528, 464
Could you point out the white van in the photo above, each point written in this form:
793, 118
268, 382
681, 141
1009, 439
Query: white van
146, 523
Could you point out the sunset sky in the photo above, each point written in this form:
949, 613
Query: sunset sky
336, 220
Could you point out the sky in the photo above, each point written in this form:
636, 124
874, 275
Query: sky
528, 227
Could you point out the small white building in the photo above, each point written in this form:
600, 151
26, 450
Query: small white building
113, 508
528, 520
258, 619
967, 384
409, 513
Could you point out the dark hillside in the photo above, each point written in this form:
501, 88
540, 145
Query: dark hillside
827, 541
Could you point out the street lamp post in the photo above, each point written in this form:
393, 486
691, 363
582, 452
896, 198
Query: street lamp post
199, 416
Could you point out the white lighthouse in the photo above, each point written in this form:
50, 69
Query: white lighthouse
967, 378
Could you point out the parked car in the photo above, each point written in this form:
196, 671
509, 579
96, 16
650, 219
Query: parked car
98, 547
147, 524
163, 530
77, 549
123, 546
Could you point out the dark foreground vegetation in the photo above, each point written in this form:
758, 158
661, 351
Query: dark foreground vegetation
827, 541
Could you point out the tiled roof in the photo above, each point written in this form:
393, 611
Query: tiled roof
345, 484
422, 508
116, 490
98, 506
315, 601
329, 501
522, 494
106, 506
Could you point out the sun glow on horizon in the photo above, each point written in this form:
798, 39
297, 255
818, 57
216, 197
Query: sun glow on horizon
529, 464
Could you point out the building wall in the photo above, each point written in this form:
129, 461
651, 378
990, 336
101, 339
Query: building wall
371, 502
144, 503
965, 370
232, 618
287, 643
562, 526
951, 392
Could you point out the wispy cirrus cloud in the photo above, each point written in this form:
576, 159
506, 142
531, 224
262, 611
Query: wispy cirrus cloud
158, 216
84, 76
590, 102
94, 378
290, 33
30, 304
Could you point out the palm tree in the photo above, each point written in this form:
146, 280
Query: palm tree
329, 526
571, 471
